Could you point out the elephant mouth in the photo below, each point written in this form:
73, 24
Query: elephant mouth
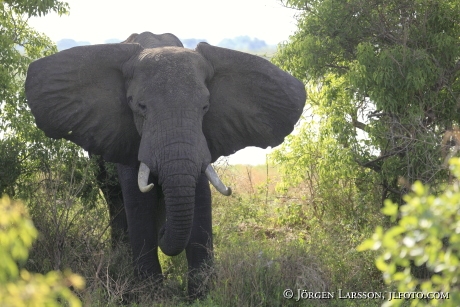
144, 187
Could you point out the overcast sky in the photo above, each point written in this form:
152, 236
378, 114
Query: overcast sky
96, 21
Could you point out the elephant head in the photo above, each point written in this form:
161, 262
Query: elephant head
150, 40
175, 110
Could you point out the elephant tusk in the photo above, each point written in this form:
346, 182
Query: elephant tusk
143, 177
216, 182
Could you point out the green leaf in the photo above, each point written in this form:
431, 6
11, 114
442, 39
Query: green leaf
390, 208
368, 244
381, 264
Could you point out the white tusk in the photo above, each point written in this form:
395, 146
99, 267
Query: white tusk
216, 182
143, 178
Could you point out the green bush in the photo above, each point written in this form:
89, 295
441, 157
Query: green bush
18, 287
427, 233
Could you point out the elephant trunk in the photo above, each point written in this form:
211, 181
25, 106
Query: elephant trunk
179, 163
179, 196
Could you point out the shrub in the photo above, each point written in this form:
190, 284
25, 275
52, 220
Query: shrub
18, 287
427, 233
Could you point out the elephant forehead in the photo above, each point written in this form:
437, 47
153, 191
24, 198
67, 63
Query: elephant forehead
173, 60
169, 76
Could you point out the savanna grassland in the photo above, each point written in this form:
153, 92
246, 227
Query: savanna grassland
265, 241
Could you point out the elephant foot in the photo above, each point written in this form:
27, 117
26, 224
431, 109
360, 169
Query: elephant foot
143, 288
198, 283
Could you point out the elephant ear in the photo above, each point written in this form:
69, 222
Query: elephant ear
79, 94
252, 102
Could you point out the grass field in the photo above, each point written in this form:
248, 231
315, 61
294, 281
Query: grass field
266, 242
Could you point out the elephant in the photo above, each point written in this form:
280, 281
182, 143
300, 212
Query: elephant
163, 113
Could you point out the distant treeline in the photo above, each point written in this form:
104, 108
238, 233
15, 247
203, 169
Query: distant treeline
238, 43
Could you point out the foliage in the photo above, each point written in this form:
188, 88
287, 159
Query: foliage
330, 199
383, 80
10, 166
37, 7
18, 287
69, 211
319, 169
428, 233
22, 145
383, 89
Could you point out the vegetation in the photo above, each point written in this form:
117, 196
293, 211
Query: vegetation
383, 81
23, 148
18, 287
382, 115
426, 233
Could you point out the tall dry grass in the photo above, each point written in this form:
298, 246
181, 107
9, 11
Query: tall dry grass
264, 243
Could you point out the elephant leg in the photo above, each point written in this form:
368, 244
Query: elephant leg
141, 210
199, 249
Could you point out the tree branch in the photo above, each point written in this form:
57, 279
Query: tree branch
373, 163
359, 125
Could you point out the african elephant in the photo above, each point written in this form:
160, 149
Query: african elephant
164, 113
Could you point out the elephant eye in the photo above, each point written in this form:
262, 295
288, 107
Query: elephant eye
136, 104
141, 106
205, 108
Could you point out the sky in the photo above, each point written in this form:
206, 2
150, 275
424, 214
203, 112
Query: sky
96, 21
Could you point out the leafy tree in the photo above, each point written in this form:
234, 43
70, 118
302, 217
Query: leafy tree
427, 233
20, 141
36, 7
383, 80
